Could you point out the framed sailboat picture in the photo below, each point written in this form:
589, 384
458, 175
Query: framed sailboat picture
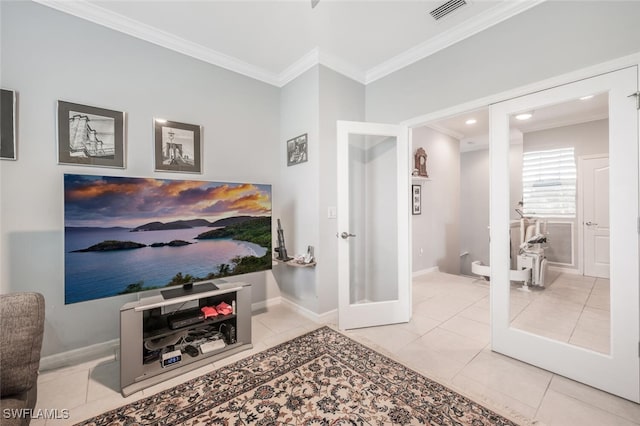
90, 136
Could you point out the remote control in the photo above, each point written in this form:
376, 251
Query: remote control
191, 350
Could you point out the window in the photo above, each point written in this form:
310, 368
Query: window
549, 183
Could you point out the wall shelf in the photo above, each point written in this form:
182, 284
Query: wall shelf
296, 264
420, 178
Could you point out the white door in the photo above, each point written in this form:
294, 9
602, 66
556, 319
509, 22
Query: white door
374, 263
572, 349
595, 213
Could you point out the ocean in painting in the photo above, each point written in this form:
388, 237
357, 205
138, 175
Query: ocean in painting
96, 274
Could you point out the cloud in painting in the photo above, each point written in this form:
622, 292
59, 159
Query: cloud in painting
116, 201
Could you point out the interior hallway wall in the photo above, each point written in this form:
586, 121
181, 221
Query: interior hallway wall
48, 56
435, 232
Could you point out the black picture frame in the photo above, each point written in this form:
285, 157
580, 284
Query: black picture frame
90, 136
177, 146
8, 130
416, 199
297, 150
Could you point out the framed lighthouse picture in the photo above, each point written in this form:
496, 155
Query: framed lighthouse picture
90, 136
178, 146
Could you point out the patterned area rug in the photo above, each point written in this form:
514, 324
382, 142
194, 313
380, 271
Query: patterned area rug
320, 378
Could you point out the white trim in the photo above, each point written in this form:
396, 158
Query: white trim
264, 304
115, 21
425, 271
324, 318
76, 356
445, 131
299, 67
491, 17
569, 271
606, 67
99, 15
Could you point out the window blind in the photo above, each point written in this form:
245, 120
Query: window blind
549, 183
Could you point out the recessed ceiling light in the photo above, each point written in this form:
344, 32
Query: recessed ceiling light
524, 116
584, 98
160, 120
471, 121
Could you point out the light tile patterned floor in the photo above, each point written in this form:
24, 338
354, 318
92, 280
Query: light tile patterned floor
447, 340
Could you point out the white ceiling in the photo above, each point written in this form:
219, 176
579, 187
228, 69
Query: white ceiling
276, 40
476, 136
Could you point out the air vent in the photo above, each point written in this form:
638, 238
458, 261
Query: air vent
445, 9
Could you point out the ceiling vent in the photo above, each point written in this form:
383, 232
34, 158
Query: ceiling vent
447, 8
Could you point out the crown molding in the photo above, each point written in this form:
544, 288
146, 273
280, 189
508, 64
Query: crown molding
481, 22
101, 16
445, 131
299, 67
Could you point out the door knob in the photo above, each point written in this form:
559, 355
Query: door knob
346, 235
591, 224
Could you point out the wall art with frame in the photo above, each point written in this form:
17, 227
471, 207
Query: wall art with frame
178, 146
8, 116
416, 197
90, 136
297, 150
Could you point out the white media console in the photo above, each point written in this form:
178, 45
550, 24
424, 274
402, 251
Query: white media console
163, 338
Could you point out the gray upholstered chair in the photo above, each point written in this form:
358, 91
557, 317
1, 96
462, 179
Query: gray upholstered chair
22, 328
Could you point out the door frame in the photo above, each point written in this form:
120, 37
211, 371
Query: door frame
561, 79
619, 371
580, 203
374, 313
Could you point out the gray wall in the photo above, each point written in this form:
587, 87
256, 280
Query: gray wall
48, 55
312, 103
436, 230
550, 39
298, 205
340, 99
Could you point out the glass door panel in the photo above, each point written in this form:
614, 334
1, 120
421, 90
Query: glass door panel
373, 218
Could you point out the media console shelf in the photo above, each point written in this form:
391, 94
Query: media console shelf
159, 337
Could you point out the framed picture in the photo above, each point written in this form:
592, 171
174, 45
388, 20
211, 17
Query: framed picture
416, 197
90, 136
178, 146
297, 150
8, 125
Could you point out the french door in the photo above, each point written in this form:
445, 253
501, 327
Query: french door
374, 261
564, 335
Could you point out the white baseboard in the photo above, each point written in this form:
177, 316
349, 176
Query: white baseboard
80, 355
564, 270
425, 271
258, 306
324, 318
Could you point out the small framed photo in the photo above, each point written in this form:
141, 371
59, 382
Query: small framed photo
297, 150
90, 136
416, 197
178, 146
8, 124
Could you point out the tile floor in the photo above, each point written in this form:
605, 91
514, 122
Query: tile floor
447, 340
572, 308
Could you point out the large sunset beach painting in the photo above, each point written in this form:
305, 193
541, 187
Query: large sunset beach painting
125, 235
